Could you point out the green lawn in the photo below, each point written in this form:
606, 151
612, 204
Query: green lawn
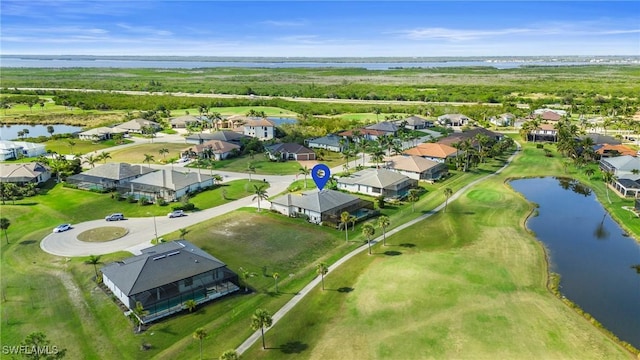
135, 154
466, 284
262, 164
433, 292
62, 146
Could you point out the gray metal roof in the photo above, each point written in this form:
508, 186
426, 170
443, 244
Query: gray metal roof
380, 178
160, 265
117, 171
218, 135
623, 163
385, 126
288, 148
318, 201
171, 179
329, 140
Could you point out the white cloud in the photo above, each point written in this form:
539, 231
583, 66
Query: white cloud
146, 30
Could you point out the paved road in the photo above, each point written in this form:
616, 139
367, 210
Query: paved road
142, 230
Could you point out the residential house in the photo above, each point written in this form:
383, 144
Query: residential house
433, 151
454, 120
224, 135
417, 167
387, 127
415, 123
376, 182
11, 150
164, 277
505, 119
362, 133
547, 110
23, 173
289, 151
214, 149
602, 139
621, 166
321, 206
100, 133
182, 122
138, 125
608, 150
471, 134
169, 185
259, 128
548, 116
544, 132
330, 142
108, 176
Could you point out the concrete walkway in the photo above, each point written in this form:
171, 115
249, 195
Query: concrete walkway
256, 336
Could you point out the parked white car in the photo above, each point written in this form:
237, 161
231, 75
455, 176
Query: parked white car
62, 228
176, 213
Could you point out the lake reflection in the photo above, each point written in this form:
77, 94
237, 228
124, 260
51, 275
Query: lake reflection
593, 255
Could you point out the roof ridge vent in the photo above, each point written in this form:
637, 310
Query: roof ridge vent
173, 253
159, 257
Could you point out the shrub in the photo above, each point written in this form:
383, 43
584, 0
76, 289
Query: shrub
539, 146
184, 207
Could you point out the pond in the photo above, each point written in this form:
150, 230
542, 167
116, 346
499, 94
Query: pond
10, 132
592, 254
282, 120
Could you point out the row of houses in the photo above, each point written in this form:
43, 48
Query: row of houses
141, 182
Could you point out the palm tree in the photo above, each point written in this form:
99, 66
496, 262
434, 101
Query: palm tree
368, 230
94, 260
352, 220
304, 171
447, 194
260, 194
148, 158
4, 225
383, 222
91, 160
200, 334
412, 196
245, 275
190, 305
589, 172
229, 355
164, 152
276, 276
50, 130
607, 177
261, 319
322, 269
71, 145
183, 232
104, 156
138, 312
344, 219
251, 169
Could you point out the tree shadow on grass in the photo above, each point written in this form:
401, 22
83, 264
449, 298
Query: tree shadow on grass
166, 330
28, 242
293, 347
407, 245
392, 253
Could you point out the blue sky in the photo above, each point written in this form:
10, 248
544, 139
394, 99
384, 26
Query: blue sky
320, 28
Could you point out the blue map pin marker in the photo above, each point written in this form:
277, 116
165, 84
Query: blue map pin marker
321, 175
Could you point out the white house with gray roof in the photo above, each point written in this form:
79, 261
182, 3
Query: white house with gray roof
376, 182
167, 184
108, 176
319, 205
167, 275
22, 173
387, 127
330, 142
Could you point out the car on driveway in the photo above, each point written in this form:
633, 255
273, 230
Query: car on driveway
115, 217
176, 213
62, 228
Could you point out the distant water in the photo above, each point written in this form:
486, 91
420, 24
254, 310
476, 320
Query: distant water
10, 132
14, 62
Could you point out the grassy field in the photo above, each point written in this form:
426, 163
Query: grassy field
466, 284
62, 146
262, 164
135, 154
